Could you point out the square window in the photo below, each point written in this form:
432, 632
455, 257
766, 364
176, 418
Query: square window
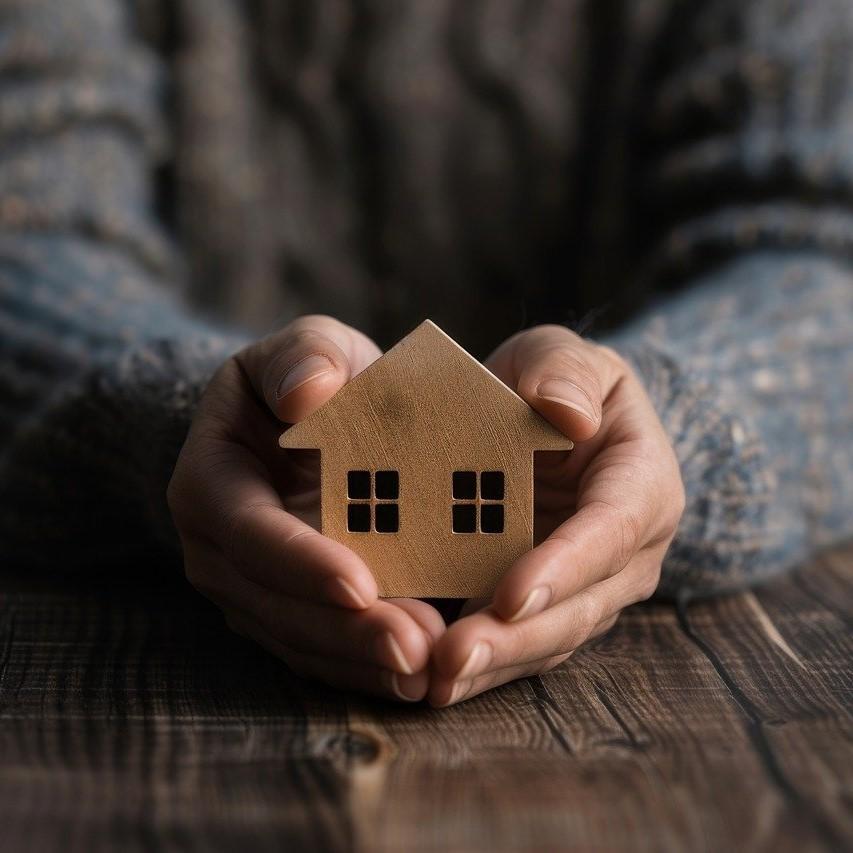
492, 518
358, 484
464, 485
464, 518
387, 518
492, 485
358, 518
387, 485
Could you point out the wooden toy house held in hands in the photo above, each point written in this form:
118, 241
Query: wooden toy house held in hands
426, 462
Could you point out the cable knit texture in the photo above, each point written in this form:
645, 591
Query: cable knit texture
490, 164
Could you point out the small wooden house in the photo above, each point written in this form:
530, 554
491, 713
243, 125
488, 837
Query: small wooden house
427, 468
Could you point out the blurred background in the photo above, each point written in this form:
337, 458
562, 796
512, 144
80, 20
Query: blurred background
479, 162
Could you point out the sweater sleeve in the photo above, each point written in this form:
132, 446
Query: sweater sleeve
743, 188
100, 364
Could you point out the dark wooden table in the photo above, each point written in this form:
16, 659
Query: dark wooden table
131, 720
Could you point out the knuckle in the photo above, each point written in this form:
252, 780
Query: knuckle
593, 614
611, 621
560, 548
518, 640
679, 500
671, 504
631, 532
585, 616
649, 582
603, 628
626, 529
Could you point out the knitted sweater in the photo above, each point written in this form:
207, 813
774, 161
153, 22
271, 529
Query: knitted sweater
173, 170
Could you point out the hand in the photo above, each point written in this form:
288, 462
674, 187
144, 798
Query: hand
606, 513
247, 514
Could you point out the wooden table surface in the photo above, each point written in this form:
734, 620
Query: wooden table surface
133, 721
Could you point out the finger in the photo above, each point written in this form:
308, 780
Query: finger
594, 544
425, 615
630, 496
445, 691
300, 367
233, 504
343, 674
565, 378
483, 641
382, 634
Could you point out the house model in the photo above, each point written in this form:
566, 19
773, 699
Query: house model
426, 462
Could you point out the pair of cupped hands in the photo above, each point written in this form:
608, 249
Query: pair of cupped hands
247, 513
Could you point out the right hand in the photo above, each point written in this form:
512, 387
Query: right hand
247, 513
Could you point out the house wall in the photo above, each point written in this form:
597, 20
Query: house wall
426, 554
426, 409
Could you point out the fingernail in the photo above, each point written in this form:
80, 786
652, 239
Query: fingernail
536, 601
303, 371
567, 394
459, 691
394, 681
478, 660
387, 639
351, 596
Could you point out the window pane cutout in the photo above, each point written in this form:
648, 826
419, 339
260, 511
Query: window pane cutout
464, 485
387, 485
478, 502
492, 518
492, 485
365, 512
358, 485
465, 518
358, 518
387, 518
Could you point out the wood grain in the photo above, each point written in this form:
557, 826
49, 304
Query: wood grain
426, 409
133, 720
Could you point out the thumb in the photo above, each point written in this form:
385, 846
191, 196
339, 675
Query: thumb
297, 369
565, 378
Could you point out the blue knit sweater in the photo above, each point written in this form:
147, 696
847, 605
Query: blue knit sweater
160, 158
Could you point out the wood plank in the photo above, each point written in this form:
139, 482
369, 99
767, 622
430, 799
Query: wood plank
785, 657
132, 719
129, 724
635, 745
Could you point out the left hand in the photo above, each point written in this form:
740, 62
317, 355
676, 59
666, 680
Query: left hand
606, 513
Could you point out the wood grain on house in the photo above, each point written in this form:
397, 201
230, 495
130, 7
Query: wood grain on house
441, 503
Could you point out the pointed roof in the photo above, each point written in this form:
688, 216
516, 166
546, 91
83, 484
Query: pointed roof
425, 384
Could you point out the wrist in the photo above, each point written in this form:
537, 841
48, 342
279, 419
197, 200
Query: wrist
727, 537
